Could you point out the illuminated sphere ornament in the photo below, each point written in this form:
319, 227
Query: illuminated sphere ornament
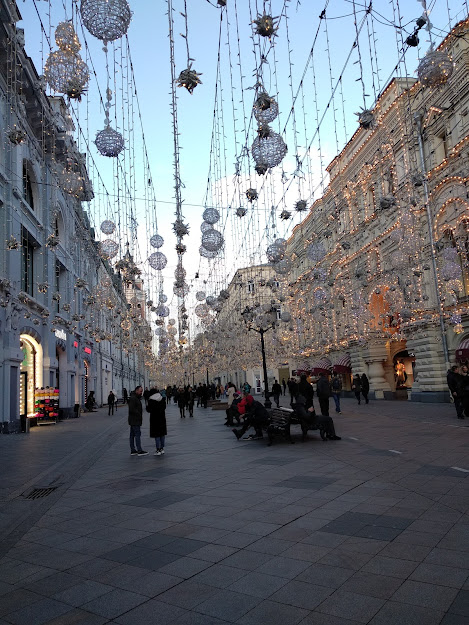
212, 240
200, 296
285, 317
211, 215
162, 298
157, 260
211, 300
156, 241
66, 73
181, 291
315, 251
265, 109
284, 266
108, 248
66, 37
109, 142
108, 227
171, 322
201, 310
268, 148
162, 311
107, 20
435, 68
206, 253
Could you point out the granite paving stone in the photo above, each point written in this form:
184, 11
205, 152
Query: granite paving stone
442, 575
38, 613
258, 584
83, 592
227, 605
394, 613
460, 604
188, 594
114, 603
152, 612
380, 586
301, 594
346, 604
273, 613
425, 595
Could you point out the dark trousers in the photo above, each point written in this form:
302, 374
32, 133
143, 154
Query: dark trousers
324, 405
277, 400
365, 395
111, 409
135, 436
182, 412
357, 395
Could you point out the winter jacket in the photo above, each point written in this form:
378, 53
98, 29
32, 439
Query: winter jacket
356, 385
157, 409
135, 409
454, 382
323, 388
365, 384
276, 389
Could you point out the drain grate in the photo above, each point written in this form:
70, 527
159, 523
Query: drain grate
39, 493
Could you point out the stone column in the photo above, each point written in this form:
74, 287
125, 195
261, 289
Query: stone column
376, 354
425, 342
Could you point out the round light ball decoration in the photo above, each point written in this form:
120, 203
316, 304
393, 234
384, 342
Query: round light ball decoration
206, 254
205, 226
316, 251
268, 148
211, 215
64, 70
200, 296
172, 322
162, 298
212, 240
435, 69
265, 108
157, 241
179, 273
157, 260
66, 37
109, 142
285, 317
108, 227
162, 311
181, 291
107, 20
211, 300
202, 310
108, 249
284, 266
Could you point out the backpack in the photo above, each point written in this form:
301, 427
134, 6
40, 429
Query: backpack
336, 384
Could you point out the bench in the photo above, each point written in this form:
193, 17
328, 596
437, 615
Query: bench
279, 423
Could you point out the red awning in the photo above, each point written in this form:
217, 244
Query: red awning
321, 366
342, 364
462, 353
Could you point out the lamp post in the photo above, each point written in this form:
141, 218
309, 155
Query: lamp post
261, 321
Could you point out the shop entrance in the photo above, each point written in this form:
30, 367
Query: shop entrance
404, 363
31, 373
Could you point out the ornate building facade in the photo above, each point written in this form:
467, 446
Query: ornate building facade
380, 265
68, 321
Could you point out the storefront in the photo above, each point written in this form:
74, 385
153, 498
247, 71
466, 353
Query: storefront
31, 374
404, 363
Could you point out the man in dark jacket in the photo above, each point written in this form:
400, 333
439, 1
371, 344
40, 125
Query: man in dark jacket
276, 392
453, 379
323, 391
256, 416
135, 422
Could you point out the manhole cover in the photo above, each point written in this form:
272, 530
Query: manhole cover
39, 493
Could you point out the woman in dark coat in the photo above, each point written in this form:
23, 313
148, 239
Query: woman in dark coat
357, 386
306, 390
157, 408
365, 387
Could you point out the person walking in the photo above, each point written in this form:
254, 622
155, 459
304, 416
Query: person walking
156, 406
191, 400
284, 384
293, 387
453, 378
276, 392
90, 402
181, 401
111, 401
336, 387
135, 422
365, 387
357, 387
125, 395
323, 390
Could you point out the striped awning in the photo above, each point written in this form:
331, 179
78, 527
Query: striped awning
462, 353
320, 366
342, 364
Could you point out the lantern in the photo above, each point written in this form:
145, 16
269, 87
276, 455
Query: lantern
107, 20
268, 148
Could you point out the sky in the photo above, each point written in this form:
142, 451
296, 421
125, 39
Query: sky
319, 78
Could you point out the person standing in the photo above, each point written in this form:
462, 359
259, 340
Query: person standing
453, 379
156, 406
365, 387
464, 388
276, 392
111, 400
135, 422
323, 390
125, 395
146, 395
191, 400
336, 387
181, 401
357, 387
284, 384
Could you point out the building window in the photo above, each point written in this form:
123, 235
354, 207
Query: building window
250, 286
27, 186
441, 147
27, 262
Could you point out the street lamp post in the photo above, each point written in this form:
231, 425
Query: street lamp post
261, 322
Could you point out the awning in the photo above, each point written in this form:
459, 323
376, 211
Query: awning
342, 364
462, 353
321, 366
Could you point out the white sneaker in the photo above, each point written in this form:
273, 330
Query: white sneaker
162, 450
157, 453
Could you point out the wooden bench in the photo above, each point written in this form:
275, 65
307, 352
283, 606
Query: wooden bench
279, 423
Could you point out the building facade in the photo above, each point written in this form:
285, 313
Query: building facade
380, 264
68, 321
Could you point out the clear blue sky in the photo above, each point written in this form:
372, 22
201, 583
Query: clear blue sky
374, 60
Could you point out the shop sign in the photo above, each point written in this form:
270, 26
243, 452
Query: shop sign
61, 334
87, 350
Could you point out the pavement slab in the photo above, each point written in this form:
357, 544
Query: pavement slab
219, 531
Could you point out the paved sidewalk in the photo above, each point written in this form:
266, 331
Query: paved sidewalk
370, 529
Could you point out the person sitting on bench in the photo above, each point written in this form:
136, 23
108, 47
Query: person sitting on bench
309, 417
256, 416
